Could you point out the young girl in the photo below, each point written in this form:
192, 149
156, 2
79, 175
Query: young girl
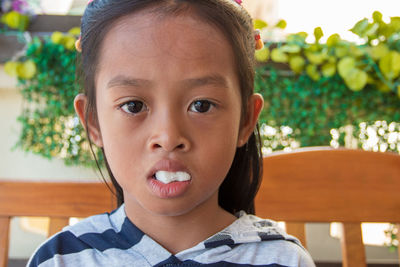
169, 100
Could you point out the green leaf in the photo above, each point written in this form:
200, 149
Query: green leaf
281, 24
356, 79
395, 23
341, 51
57, 37
262, 55
259, 24
299, 37
371, 30
390, 65
360, 28
278, 55
11, 68
75, 31
356, 51
312, 71
331, 59
318, 34
379, 51
69, 42
15, 20
377, 16
27, 69
297, 64
333, 40
345, 65
316, 58
290, 48
328, 69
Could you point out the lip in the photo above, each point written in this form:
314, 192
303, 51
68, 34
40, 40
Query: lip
171, 190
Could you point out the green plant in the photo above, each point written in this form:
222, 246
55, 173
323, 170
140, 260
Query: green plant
392, 234
313, 108
46, 77
376, 62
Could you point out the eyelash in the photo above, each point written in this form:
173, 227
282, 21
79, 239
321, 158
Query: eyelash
125, 106
210, 103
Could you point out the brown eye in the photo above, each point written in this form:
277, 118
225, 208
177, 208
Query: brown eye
133, 107
201, 106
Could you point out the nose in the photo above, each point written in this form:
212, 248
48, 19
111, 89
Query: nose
168, 134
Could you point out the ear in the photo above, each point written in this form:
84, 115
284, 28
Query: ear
93, 130
254, 107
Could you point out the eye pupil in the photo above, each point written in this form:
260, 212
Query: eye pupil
202, 106
135, 106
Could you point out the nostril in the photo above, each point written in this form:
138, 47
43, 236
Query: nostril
156, 145
169, 145
181, 146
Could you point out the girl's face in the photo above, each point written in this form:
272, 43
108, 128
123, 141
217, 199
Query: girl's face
168, 99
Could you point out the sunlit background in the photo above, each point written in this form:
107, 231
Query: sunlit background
301, 15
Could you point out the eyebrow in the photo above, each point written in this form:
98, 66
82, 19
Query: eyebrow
214, 80
121, 80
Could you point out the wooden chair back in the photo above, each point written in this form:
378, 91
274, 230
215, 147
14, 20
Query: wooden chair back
59, 201
323, 184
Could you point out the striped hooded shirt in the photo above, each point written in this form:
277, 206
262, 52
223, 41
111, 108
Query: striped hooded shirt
113, 240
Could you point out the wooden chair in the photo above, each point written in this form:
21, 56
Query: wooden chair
322, 184
59, 201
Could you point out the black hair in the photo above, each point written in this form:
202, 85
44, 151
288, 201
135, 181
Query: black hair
241, 184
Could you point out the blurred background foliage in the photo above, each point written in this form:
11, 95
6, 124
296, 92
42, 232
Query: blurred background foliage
336, 93
47, 80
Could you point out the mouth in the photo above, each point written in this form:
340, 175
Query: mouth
168, 171
167, 177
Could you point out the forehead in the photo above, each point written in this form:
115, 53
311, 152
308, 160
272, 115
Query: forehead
146, 37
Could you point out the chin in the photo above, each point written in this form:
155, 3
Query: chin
172, 209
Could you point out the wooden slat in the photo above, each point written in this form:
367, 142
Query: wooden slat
330, 185
54, 199
57, 224
4, 238
398, 239
353, 251
298, 230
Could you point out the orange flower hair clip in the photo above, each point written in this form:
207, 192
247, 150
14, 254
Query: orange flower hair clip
259, 41
257, 33
78, 45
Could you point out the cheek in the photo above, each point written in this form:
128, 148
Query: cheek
218, 143
123, 146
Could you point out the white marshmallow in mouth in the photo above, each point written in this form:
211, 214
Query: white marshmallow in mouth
169, 177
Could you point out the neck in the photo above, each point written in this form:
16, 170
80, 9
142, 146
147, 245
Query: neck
189, 228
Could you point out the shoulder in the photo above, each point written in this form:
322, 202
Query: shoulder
266, 253
261, 242
82, 240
